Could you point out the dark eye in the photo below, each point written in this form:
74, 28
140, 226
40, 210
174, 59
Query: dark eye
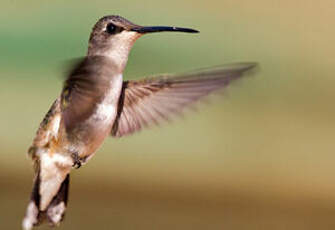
111, 28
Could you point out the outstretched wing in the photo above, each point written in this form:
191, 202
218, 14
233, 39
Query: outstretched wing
152, 100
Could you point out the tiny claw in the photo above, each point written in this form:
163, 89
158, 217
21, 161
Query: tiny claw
76, 161
77, 165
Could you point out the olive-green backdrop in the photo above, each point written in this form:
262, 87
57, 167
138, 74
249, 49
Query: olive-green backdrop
260, 156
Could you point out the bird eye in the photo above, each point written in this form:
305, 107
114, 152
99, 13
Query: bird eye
111, 28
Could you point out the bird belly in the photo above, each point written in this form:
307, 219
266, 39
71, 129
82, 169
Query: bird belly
98, 127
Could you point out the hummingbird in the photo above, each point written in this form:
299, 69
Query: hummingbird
96, 102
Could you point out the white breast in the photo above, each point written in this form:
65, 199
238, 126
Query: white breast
99, 124
107, 109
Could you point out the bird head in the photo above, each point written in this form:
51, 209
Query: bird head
113, 37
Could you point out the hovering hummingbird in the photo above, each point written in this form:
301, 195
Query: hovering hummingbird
95, 102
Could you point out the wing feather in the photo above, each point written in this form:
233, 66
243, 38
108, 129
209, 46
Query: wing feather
152, 100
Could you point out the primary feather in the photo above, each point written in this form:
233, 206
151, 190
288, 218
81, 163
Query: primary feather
152, 100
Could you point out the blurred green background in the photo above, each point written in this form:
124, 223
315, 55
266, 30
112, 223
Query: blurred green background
259, 157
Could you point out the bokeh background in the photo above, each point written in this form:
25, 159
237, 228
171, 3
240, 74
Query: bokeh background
259, 157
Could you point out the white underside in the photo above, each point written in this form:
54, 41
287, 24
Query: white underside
107, 109
55, 166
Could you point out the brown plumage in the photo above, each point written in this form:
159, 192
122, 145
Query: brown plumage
152, 100
84, 89
95, 103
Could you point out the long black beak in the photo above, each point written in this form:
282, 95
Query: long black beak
152, 29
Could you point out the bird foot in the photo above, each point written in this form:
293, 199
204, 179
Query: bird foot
76, 160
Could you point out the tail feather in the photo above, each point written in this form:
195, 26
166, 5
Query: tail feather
33, 214
56, 209
54, 212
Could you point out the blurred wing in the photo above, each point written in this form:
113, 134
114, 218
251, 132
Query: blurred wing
84, 88
150, 101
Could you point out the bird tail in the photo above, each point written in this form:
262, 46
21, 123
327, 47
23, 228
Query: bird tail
45, 205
